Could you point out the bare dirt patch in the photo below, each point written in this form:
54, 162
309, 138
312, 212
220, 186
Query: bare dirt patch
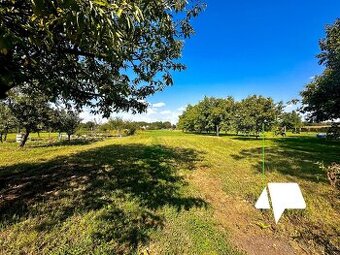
239, 217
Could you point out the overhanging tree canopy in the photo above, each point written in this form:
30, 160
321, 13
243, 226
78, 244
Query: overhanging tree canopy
321, 98
108, 55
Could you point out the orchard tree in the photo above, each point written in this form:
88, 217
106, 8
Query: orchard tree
89, 125
188, 119
116, 123
201, 113
228, 117
215, 116
253, 111
291, 120
66, 121
263, 110
108, 55
219, 113
209, 115
32, 112
7, 120
321, 98
244, 119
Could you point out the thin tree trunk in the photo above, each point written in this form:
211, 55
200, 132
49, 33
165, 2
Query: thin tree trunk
217, 130
68, 137
5, 137
1, 138
24, 139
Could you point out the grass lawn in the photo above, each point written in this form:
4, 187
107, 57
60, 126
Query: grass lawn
165, 192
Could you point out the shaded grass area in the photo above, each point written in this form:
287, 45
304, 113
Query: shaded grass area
107, 199
297, 157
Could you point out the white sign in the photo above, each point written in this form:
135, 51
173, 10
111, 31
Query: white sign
283, 196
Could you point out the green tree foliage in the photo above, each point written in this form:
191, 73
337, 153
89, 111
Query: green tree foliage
291, 120
321, 98
130, 128
88, 126
126, 127
106, 127
116, 123
254, 110
246, 116
155, 125
216, 113
32, 113
187, 121
65, 121
82, 51
209, 115
7, 120
228, 113
334, 131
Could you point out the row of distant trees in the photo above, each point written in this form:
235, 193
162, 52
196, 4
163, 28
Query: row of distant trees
125, 127
123, 124
243, 117
32, 112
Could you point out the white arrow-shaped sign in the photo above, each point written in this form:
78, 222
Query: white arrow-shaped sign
283, 196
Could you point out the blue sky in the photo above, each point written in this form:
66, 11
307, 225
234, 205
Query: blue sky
247, 47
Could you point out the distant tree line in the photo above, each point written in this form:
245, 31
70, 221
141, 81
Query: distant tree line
32, 113
156, 125
125, 126
242, 117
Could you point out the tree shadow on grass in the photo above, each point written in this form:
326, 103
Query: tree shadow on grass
106, 180
56, 143
295, 157
208, 133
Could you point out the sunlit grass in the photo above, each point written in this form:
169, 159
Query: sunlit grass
134, 195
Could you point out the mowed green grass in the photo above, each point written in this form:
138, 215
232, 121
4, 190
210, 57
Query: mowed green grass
133, 195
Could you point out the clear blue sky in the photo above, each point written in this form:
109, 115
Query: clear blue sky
265, 47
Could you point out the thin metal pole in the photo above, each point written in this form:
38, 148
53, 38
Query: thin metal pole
263, 149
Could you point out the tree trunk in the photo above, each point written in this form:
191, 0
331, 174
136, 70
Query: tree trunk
217, 130
69, 137
5, 137
0, 137
24, 139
